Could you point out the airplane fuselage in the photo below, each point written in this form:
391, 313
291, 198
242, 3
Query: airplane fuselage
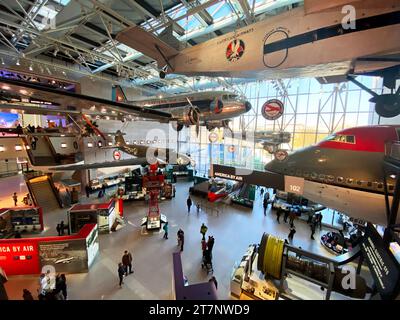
345, 171
218, 105
298, 44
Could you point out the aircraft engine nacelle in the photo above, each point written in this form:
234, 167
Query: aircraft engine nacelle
191, 116
216, 106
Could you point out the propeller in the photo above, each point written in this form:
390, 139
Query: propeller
194, 115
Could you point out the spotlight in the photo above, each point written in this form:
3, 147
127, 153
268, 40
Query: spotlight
30, 68
17, 63
2, 62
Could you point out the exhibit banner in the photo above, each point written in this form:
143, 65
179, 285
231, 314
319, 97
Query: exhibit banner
65, 256
381, 262
19, 257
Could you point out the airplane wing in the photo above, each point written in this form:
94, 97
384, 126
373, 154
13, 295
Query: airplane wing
97, 165
148, 44
65, 102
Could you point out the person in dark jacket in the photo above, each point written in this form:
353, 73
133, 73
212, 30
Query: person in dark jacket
265, 205
291, 233
214, 280
182, 240
286, 215
121, 272
27, 295
58, 228
62, 227
127, 262
210, 243
87, 189
15, 198
189, 203
63, 285
278, 214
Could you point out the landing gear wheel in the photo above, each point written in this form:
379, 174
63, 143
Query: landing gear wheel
387, 106
162, 75
178, 127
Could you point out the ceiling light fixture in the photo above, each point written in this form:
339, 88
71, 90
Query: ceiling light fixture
18, 63
2, 62
30, 68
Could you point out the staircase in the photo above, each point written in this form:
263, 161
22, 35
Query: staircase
41, 154
44, 193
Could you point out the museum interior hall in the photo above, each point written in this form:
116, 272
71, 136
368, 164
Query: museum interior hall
199, 150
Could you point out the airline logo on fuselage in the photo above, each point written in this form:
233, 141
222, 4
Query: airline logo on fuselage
235, 50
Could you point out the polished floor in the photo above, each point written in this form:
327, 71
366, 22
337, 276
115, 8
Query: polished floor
234, 228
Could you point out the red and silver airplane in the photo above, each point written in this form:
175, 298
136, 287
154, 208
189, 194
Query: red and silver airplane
345, 171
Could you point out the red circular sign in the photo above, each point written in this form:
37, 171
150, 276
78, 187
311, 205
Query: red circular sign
117, 155
235, 50
272, 109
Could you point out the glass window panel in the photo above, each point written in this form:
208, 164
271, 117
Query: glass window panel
353, 99
302, 101
365, 105
313, 103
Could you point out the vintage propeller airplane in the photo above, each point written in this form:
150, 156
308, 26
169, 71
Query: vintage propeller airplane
320, 39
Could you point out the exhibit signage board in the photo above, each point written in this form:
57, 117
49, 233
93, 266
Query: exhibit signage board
260, 178
28, 255
381, 262
65, 256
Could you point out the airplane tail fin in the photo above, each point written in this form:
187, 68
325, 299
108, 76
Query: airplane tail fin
119, 138
161, 48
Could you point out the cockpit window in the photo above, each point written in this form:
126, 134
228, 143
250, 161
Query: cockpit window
229, 96
342, 138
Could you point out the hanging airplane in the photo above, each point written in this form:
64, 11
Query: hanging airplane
320, 39
211, 109
269, 139
356, 190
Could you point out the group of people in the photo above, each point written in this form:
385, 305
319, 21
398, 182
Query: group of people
27, 200
125, 266
51, 287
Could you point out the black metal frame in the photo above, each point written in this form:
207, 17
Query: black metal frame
391, 166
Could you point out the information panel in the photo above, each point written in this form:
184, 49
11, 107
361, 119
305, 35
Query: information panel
383, 266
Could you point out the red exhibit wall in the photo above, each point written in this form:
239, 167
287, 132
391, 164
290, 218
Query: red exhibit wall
21, 256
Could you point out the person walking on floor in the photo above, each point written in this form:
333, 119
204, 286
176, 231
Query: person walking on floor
265, 205
182, 241
214, 280
15, 198
121, 272
27, 295
203, 246
286, 215
210, 243
87, 189
165, 228
62, 227
58, 228
291, 233
189, 203
313, 226
292, 216
203, 230
127, 262
179, 234
278, 214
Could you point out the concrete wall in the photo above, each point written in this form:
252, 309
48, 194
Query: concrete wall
9, 149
